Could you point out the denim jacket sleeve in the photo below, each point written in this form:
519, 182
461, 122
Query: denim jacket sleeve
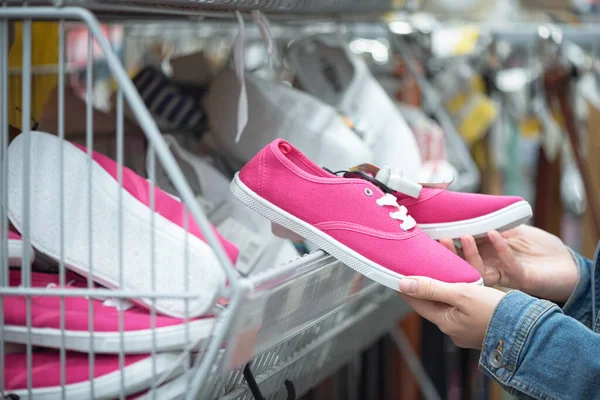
579, 305
536, 350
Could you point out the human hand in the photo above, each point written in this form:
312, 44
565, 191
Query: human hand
461, 310
525, 258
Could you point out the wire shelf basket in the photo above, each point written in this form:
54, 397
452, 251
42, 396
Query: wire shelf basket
75, 206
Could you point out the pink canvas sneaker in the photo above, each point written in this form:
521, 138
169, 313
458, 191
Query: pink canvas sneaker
15, 250
170, 333
46, 374
445, 214
92, 246
353, 219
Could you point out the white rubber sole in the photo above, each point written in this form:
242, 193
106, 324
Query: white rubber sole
501, 220
15, 253
92, 246
351, 258
137, 377
169, 338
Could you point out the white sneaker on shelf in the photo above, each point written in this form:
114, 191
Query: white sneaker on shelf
328, 70
276, 110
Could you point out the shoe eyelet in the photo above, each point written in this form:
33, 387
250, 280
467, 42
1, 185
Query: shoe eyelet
368, 192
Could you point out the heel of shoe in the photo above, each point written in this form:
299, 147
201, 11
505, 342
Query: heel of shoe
284, 233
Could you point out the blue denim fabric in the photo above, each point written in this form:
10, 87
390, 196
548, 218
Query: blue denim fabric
536, 350
579, 305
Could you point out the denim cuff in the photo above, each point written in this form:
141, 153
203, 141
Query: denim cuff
510, 325
579, 304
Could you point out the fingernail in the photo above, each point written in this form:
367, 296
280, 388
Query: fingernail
408, 285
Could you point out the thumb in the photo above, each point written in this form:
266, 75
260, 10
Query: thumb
424, 288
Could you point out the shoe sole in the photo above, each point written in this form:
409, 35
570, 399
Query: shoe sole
138, 377
140, 250
343, 253
143, 341
507, 218
15, 253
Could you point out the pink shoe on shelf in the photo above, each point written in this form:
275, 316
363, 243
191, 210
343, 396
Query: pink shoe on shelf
46, 374
169, 334
92, 244
442, 213
353, 219
15, 250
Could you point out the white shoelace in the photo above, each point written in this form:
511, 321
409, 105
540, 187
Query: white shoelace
408, 222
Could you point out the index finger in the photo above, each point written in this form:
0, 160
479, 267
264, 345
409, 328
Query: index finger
432, 311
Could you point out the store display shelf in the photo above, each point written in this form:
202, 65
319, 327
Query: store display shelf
348, 334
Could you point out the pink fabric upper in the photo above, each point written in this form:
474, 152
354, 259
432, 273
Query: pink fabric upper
45, 311
46, 370
165, 205
341, 207
14, 235
440, 206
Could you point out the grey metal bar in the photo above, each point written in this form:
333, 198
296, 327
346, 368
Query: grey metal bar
89, 142
3, 146
25, 128
3, 182
525, 34
121, 250
61, 188
427, 387
14, 291
152, 179
186, 274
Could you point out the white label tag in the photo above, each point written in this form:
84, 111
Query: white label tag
249, 243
